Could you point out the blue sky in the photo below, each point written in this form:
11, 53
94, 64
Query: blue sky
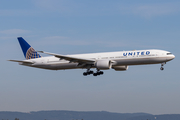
71, 27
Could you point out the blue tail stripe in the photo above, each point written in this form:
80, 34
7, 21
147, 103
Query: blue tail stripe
28, 51
24, 45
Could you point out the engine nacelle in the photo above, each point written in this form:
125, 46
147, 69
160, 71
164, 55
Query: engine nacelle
103, 64
120, 68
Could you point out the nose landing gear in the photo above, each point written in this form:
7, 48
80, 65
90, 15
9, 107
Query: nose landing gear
162, 68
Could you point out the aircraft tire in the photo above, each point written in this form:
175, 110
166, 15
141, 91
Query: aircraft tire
85, 74
101, 72
161, 68
95, 74
91, 72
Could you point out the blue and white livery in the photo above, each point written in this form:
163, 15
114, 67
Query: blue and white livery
118, 61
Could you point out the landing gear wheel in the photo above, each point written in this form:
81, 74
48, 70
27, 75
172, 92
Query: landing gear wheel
101, 72
95, 74
162, 64
85, 74
98, 73
91, 72
161, 68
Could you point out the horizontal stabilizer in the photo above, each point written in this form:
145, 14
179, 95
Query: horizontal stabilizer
20, 61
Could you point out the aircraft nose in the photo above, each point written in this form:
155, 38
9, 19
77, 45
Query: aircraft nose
173, 56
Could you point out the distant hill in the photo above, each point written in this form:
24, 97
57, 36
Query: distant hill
73, 115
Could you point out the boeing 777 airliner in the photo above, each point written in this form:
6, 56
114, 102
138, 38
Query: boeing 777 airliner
118, 61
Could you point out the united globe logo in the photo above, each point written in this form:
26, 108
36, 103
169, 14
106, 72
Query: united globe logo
31, 54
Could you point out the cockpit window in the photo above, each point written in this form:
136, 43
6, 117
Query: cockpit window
169, 53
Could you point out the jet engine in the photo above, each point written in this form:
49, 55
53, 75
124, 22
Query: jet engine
103, 64
120, 68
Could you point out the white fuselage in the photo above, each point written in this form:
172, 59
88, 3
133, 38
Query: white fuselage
121, 58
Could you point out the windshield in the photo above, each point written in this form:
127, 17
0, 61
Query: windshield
169, 53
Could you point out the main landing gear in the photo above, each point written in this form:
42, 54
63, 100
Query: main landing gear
162, 64
94, 74
88, 72
98, 73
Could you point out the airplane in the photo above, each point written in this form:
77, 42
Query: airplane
119, 61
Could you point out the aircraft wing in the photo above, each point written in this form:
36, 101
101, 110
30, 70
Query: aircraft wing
21, 61
71, 59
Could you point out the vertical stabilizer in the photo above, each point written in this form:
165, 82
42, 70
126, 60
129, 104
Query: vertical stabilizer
29, 52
